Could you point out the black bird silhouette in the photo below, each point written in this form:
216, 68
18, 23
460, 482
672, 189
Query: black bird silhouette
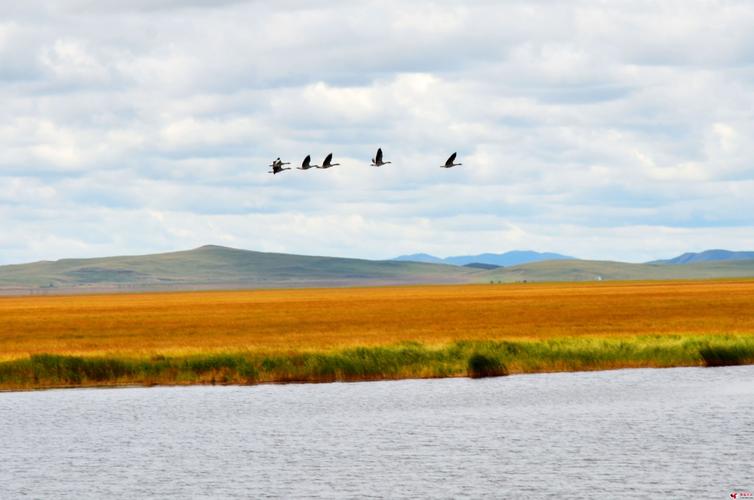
305, 165
277, 166
377, 160
450, 162
326, 163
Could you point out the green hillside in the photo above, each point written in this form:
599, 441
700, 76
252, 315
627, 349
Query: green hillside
220, 267
592, 270
214, 265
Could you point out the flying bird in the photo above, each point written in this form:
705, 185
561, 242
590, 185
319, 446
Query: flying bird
279, 163
326, 163
377, 160
450, 162
305, 165
277, 166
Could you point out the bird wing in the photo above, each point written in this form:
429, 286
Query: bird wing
378, 158
451, 159
306, 161
328, 159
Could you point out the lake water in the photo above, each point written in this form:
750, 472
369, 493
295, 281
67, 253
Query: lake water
673, 433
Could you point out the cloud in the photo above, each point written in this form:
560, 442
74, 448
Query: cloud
602, 131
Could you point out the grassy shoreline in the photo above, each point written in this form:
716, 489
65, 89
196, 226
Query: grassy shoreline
391, 362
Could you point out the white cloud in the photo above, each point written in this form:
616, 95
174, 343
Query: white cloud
71, 60
603, 131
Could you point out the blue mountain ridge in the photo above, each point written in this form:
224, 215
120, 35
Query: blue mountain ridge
706, 256
512, 258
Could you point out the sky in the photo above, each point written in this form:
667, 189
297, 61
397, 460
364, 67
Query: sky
617, 130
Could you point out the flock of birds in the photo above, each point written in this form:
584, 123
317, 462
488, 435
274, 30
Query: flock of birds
277, 164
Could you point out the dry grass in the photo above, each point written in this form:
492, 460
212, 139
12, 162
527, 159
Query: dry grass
329, 319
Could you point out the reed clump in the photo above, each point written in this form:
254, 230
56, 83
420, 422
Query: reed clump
727, 355
481, 366
404, 360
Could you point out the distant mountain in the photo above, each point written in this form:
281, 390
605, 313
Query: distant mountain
215, 267
707, 256
220, 267
479, 265
513, 258
421, 257
593, 270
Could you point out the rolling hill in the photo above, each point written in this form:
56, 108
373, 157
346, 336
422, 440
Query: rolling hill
216, 267
707, 256
220, 267
592, 270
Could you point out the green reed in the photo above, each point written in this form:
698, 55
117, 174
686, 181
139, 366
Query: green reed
405, 360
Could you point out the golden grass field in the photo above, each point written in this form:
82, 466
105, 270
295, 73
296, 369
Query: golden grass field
177, 324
